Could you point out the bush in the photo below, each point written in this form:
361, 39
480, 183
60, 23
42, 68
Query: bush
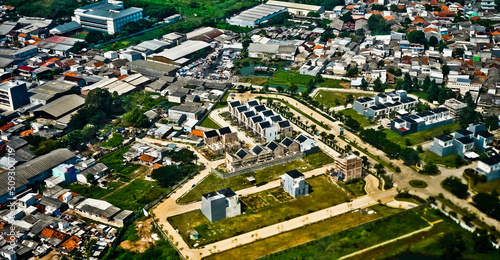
455, 186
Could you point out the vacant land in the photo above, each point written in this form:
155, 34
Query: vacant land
352, 240
94, 192
336, 98
213, 182
363, 120
136, 195
268, 211
355, 187
302, 235
428, 244
420, 137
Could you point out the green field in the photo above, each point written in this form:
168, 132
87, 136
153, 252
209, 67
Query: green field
332, 83
267, 212
352, 240
209, 123
420, 137
429, 243
421, 95
81, 35
483, 187
94, 192
213, 182
287, 78
363, 120
136, 195
356, 188
336, 98
297, 236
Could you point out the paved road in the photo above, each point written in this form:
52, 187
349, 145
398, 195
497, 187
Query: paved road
215, 116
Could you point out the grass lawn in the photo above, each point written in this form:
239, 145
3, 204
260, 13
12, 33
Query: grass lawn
336, 98
254, 80
94, 192
114, 160
81, 35
486, 187
421, 95
356, 189
223, 102
430, 157
295, 237
136, 195
356, 116
352, 240
213, 182
420, 137
324, 194
114, 141
427, 244
384, 210
333, 83
209, 123
282, 77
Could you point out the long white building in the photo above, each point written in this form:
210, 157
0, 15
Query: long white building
256, 15
108, 16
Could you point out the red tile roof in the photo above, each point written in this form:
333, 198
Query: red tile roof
7, 126
147, 158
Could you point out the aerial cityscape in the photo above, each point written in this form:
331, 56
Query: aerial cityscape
245, 129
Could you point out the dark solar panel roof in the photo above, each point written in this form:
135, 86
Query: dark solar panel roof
491, 160
210, 194
440, 110
260, 108
267, 113
465, 140
398, 120
248, 114
236, 103
241, 108
225, 130
444, 138
272, 145
485, 134
287, 142
211, 133
241, 153
284, 123
256, 119
464, 132
276, 118
257, 149
227, 192
253, 103
301, 138
265, 124
294, 174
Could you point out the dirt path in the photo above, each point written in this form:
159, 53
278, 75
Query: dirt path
145, 240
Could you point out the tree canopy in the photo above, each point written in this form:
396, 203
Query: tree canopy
378, 25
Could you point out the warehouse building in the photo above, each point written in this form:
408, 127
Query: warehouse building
152, 69
60, 107
108, 16
180, 54
297, 9
256, 15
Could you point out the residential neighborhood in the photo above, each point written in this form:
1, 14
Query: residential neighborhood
242, 129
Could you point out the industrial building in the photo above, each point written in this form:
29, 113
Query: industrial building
297, 9
152, 69
255, 16
60, 107
13, 95
108, 16
180, 54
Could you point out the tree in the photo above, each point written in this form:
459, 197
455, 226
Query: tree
280, 89
89, 177
313, 14
167, 176
352, 71
365, 160
407, 83
78, 46
94, 37
364, 84
454, 185
97, 107
409, 156
183, 156
379, 167
491, 123
433, 41
136, 118
452, 245
430, 168
378, 25
433, 92
347, 17
482, 240
377, 85
380, 63
426, 84
446, 70
416, 37
45, 147
293, 88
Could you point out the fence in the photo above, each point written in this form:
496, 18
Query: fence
259, 166
373, 222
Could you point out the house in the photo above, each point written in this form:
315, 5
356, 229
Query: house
222, 140
347, 167
221, 204
97, 171
307, 144
421, 121
489, 167
272, 51
294, 182
455, 107
383, 104
66, 172
464, 142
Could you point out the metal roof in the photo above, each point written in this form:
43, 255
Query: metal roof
62, 105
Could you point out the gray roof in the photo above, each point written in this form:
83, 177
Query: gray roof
95, 169
34, 167
62, 105
67, 27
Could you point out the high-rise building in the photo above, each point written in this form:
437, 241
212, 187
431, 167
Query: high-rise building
13, 95
348, 166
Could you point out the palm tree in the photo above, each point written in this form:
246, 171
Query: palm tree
323, 135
